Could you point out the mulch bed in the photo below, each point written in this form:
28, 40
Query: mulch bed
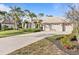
74, 51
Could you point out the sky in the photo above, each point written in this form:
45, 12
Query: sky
55, 9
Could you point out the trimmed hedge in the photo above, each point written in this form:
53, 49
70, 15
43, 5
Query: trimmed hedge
31, 30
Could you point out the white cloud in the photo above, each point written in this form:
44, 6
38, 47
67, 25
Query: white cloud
4, 7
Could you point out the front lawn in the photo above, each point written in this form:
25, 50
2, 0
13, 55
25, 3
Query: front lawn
7, 33
10, 33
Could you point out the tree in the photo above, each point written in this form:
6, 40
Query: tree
2, 17
3, 14
41, 14
73, 15
30, 14
16, 13
49, 15
40, 24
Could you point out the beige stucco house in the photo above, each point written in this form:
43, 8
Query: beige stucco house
57, 24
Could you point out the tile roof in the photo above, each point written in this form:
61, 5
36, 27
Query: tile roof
55, 20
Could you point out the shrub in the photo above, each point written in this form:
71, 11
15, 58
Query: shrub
5, 27
36, 30
31, 30
66, 43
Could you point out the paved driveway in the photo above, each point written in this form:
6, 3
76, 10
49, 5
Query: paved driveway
12, 43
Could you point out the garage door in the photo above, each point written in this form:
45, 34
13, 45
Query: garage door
48, 28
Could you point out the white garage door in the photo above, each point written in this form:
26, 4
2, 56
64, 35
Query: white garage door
47, 28
52, 27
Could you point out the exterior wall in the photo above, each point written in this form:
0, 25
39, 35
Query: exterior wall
52, 27
58, 28
9, 25
27, 25
69, 28
30, 25
46, 27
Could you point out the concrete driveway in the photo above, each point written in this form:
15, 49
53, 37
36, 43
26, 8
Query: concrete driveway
9, 44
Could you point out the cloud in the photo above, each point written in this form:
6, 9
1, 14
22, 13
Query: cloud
4, 8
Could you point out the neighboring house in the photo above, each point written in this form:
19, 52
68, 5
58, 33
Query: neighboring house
57, 24
9, 23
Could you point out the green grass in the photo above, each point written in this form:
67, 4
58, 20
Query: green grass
7, 33
53, 37
11, 33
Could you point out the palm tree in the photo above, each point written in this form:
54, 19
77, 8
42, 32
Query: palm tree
3, 14
16, 12
49, 15
39, 24
41, 14
30, 14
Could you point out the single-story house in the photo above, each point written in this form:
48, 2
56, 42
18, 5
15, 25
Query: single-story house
9, 23
57, 24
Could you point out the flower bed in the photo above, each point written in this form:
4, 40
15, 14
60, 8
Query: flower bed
68, 46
